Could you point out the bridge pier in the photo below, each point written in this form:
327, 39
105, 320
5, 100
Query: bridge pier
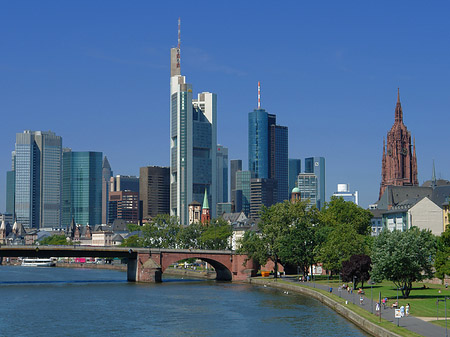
143, 269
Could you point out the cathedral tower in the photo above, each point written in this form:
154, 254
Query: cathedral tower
399, 163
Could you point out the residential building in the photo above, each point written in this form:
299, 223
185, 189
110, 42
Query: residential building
295, 167
193, 143
263, 192
107, 173
235, 165
376, 223
154, 191
37, 179
243, 191
343, 191
316, 165
399, 163
307, 183
82, 187
222, 174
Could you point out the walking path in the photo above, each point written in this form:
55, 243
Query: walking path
419, 326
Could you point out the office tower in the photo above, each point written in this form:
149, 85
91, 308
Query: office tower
235, 165
263, 192
193, 143
268, 148
222, 174
82, 187
124, 183
123, 205
399, 163
307, 183
154, 191
10, 190
243, 190
223, 207
316, 165
37, 167
107, 173
343, 191
295, 167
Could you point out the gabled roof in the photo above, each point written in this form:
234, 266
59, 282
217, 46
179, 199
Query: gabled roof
440, 194
394, 195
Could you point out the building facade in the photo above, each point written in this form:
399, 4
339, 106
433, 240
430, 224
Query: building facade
343, 191
294, 169
107, 173
316, 165
37, 179
263, 192
124, 205
124, 183
154, 191
307, 183
399, 162
243, 191
235, 165
222, 174
82, 187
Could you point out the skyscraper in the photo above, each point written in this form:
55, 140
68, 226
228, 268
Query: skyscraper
37, 167
124, 183
399, 163
235, 165
222, 174
154, 190
107, 173
268, 148
193, 142
295, 167
263, 192
243, 191
82, 187
308, 186
316, 165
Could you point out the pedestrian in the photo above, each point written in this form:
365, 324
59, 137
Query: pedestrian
402, 311
377, 308
407, 309
384, 302
361, 300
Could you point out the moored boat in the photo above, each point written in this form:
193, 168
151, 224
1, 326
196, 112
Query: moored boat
36, 262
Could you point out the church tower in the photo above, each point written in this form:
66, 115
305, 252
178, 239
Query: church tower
399, 163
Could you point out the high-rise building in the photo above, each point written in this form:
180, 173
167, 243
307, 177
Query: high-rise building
37, 190
107, 173
343, 191
243, 191
295, 167
268, 148
124, 183
399, 163
154, 190
10, 191
308, 186
222, 174
235, 165
263, 192
82, 187
316, 165
193, 143
123, 205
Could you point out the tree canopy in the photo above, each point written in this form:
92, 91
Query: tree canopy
403, 257
442, 262
357, 269
55, 240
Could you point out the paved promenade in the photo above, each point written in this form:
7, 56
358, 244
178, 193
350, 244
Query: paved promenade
412, 323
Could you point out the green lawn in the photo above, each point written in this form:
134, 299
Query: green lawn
422, 301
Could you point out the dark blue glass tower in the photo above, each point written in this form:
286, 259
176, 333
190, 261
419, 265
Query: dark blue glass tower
258, 143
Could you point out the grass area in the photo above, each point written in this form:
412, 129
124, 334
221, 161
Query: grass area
361, 312
422, 301
441, 323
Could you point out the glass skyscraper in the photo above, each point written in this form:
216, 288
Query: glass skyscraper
295, 167
279, 163
222, 174
243, 190
235, 165
37, 183
316, 165
82, 187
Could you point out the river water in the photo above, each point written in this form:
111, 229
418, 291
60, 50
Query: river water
89, 302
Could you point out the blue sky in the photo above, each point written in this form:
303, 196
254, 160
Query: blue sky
97, 74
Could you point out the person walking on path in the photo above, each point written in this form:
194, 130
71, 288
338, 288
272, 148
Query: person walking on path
377, 308
407, 310
361, 300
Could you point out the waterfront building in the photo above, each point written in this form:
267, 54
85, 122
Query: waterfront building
399, 162
294, 168
222, 174
235, 165
343, 191
154, 190
316, 165
37, 179
107, 173
82, 187
243, 189
263, 192
193, 143
268, 148
307, 184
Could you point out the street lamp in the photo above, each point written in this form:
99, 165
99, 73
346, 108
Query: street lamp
445, 306
354, 280
371, 294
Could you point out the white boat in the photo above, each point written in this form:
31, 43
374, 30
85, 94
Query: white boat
36, 262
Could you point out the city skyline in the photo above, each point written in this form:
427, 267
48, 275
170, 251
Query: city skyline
331, 78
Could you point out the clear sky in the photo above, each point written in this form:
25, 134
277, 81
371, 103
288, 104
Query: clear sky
97, 74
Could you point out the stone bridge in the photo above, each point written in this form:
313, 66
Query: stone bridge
145, 264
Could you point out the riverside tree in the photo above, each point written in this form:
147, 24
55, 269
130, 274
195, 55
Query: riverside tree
403, 257
442, 262
357, 269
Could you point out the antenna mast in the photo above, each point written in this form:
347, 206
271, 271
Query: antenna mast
259, 95
179, 43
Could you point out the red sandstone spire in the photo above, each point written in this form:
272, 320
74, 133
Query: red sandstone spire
398, 109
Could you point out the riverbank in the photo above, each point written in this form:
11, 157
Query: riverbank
345, 310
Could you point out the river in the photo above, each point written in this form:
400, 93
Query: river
88, 302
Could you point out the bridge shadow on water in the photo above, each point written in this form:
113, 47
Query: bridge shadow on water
60, 282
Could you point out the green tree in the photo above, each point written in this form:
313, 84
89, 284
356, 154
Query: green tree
216, 235
442, 261
161, 232
189, 236
403, 257
132, 241
342, 242
338, 212
55, 240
